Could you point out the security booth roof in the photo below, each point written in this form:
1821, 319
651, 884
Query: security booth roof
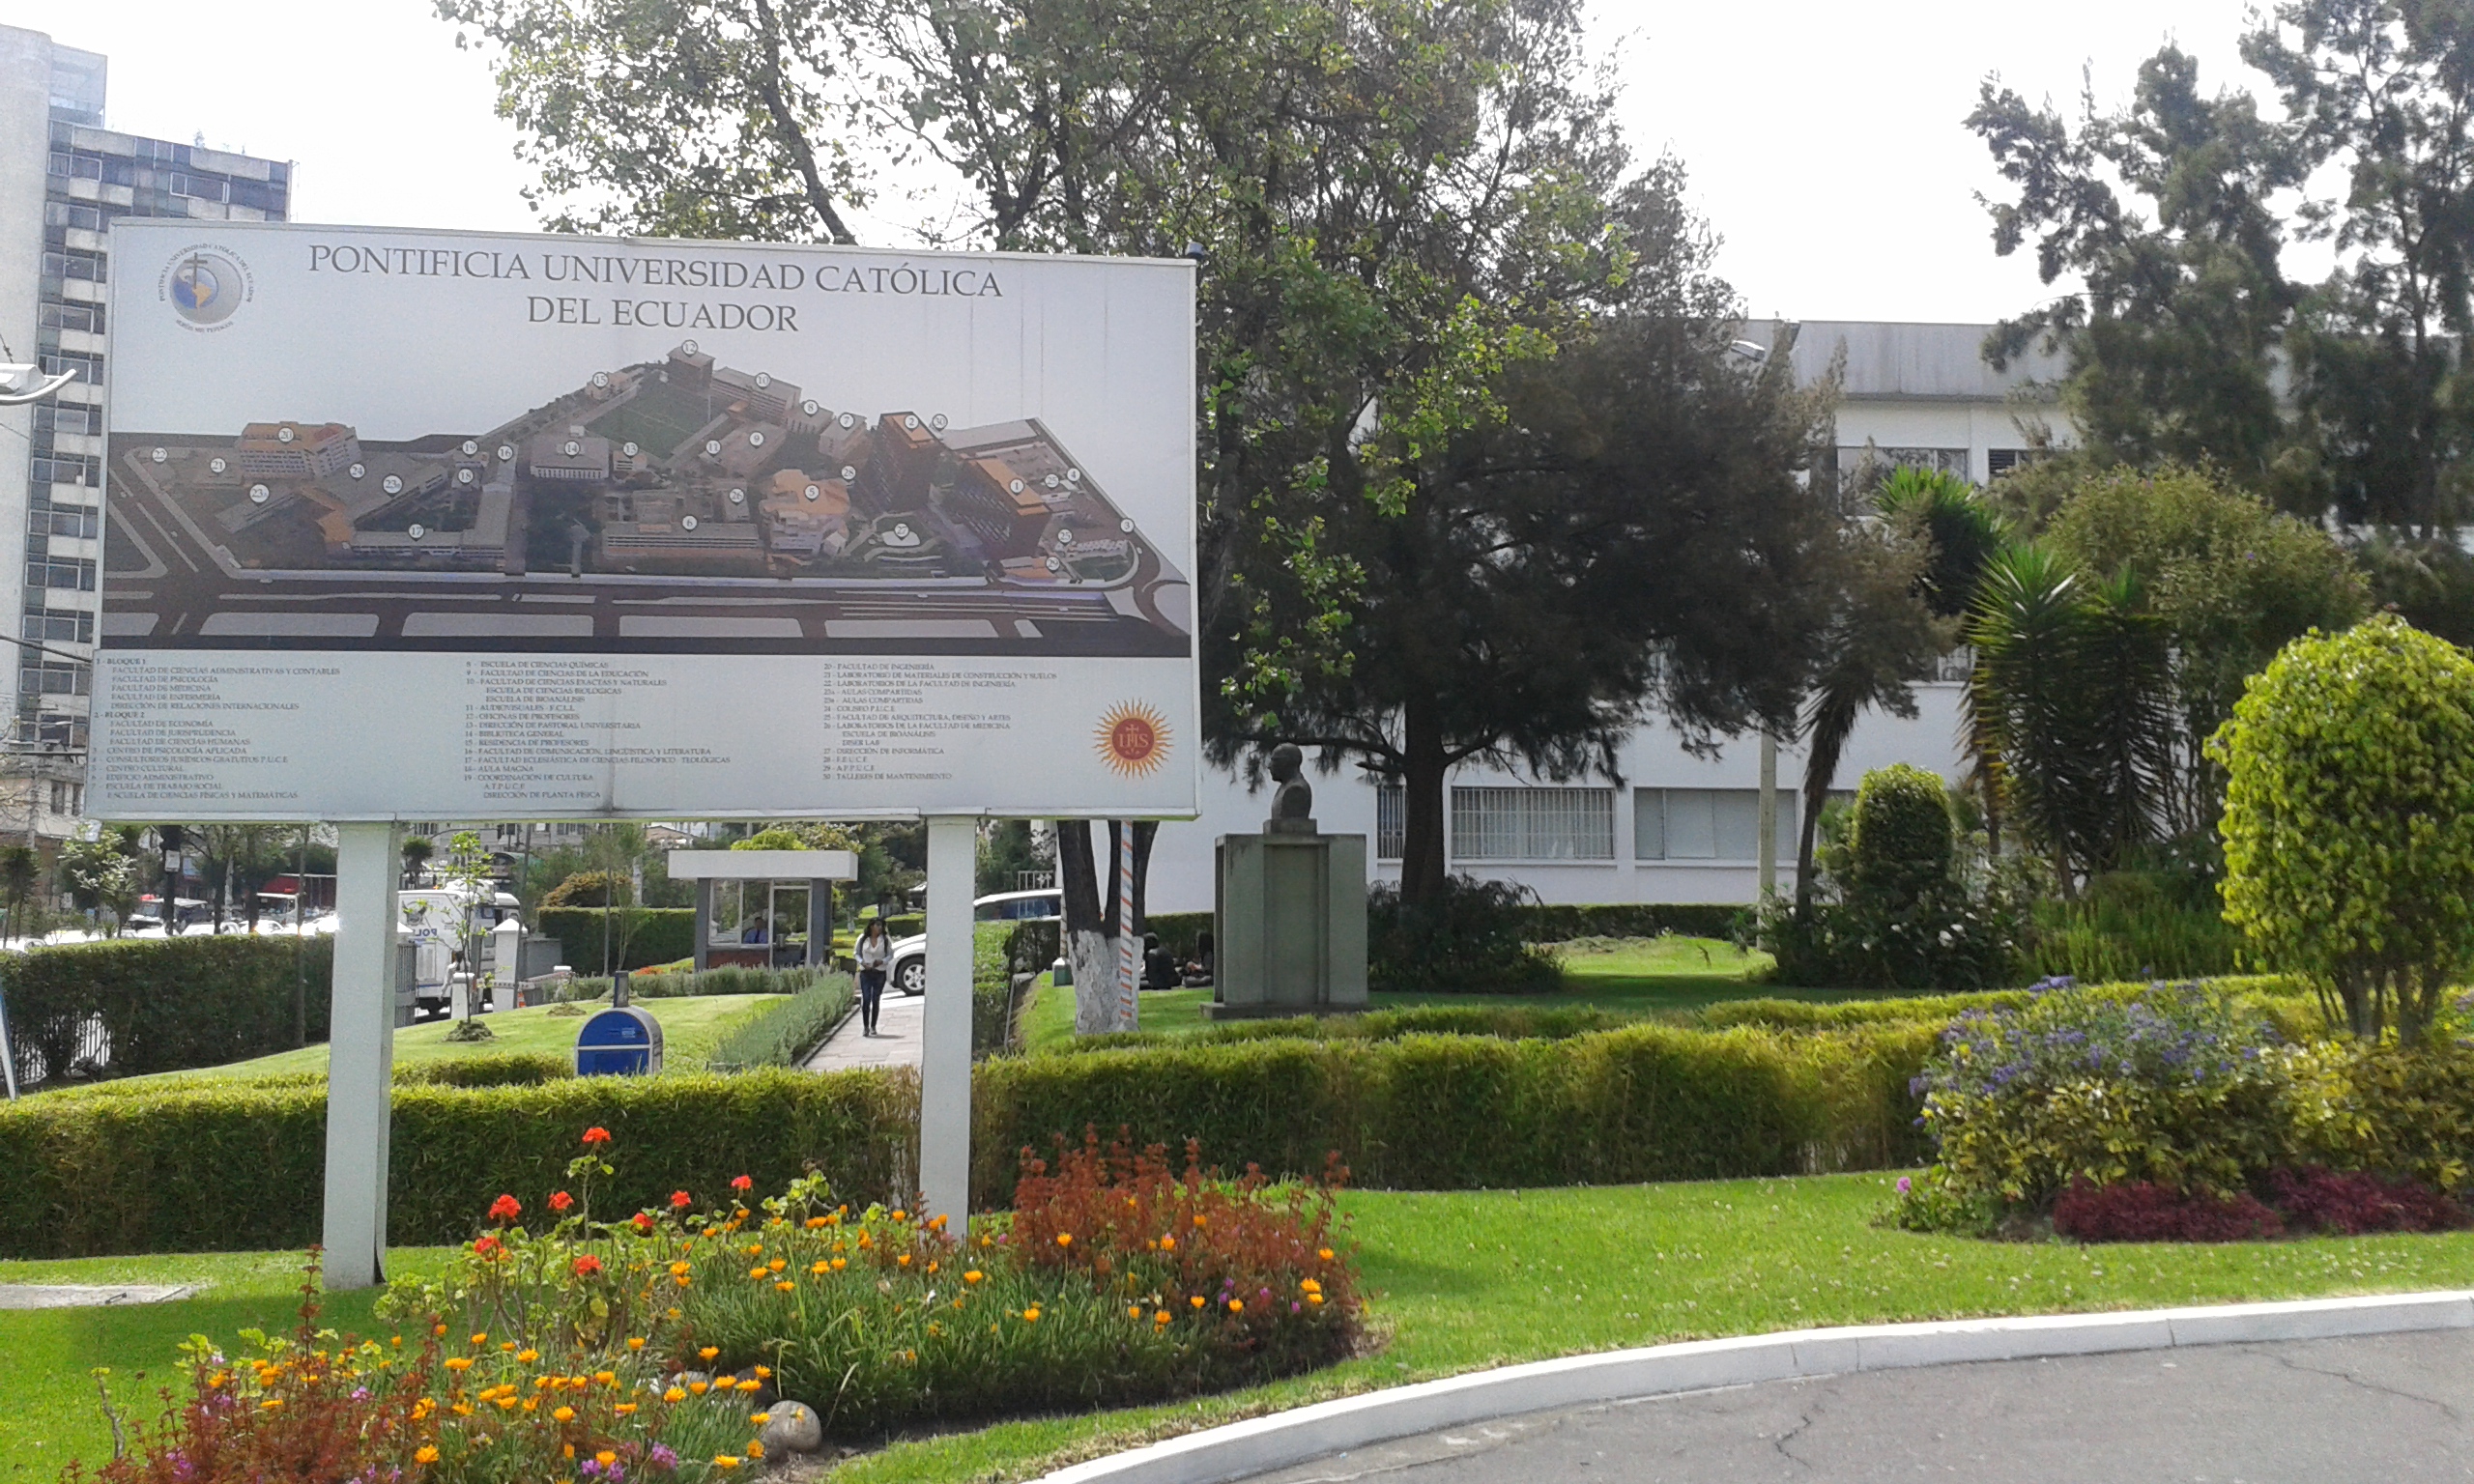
764, 866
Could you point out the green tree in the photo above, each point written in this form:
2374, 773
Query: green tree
2381, 92
20, 869
2349, 820
418, 850
103, 875
2227, 580
2165, 215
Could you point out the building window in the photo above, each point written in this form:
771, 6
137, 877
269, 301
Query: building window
74, 263
2002, 461
82, 520
60, 626
84, 317
54, 417
1706, 824
68, 798
1532, 824
52, 677
1391, 822
61, 574
68, 468
1851, 461
86, 368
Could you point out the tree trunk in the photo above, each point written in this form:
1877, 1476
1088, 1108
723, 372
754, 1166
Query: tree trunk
1089, 946
1422, 793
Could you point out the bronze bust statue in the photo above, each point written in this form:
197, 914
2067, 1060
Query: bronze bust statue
1293, 801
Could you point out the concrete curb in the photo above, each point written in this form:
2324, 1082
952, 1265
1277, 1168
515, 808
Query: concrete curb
1260, 1444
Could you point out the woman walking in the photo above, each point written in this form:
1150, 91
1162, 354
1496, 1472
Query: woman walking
875, 950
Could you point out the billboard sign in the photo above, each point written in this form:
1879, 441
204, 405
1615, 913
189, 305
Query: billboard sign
412, 525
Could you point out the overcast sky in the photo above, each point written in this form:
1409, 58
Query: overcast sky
1824, 139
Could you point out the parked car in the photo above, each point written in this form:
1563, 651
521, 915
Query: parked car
910, 955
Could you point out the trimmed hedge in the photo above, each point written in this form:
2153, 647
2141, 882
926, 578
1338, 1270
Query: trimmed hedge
165, 1004
1545, 922
660, 935
216, 1168
782, 1035
213, 1167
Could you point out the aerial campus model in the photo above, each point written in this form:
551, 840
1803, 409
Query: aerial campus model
645, 506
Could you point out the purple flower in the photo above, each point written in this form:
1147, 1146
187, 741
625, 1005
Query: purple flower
662, 1457
1905, 1185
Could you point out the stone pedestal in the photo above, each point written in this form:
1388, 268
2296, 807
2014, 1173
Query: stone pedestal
1289, 923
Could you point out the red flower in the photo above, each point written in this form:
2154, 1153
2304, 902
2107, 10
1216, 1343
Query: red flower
487, 1247
506, 1208
742, 1183
560, 1201
588, 1266
644, 1221
596, 1134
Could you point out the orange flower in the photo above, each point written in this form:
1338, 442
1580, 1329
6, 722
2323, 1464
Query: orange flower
560, 1200
742, 1183
505, 1208
678, 1200
426, 1453
588, 1266
1065, 1239
596, 1134
642, 1221
708, 1353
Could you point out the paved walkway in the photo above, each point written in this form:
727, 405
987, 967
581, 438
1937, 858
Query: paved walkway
2379, 1408
86, 1296
896, 1043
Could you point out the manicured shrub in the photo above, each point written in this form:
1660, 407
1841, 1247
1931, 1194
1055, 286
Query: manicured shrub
2356, 1202
2143, 1210
2173, 1086
1900, 845
163, 1004
515, 1068
653, 935
2349, 819
1472, 938
1539, 922
783, 1034
2404, 1113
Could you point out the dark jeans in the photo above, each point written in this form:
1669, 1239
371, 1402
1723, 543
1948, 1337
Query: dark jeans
872, 988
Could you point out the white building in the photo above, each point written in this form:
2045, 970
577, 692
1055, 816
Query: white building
1681, 828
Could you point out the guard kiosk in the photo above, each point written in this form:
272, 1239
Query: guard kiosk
773, 908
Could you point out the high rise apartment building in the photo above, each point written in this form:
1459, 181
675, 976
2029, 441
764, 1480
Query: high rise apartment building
64, 179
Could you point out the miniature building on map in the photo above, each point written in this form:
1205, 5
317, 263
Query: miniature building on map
293, 450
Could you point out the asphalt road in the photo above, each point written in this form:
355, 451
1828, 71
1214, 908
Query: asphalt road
2390, 1409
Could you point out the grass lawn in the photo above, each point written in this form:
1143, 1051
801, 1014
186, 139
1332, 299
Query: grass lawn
691, 1027
1641, 975
1459, 1282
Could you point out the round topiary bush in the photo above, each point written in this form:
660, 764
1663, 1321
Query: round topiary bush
1901, 845
2349, 819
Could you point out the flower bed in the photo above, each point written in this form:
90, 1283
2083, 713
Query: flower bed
685, 1341
2182, 1114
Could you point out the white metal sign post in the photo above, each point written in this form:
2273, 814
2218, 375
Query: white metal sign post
361, 1054
635, 528
945, 1052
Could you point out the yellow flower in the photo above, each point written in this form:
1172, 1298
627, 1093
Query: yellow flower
1201, 1222
636, 1342
751, 1385
1325, 1253
1310, 1286
1167, 1244
901, 1216
758, 1273
1313, 1297
605, 1458
674, 1394
459, 1363
841, 1262
755, 1447
678, 1270
777, 1265
764, 1372
526, 1356
1236, 1305
625, 1408
506, 1347
1031, 1315
1160, 1318
708, 1353
606, 1377
973, 1276
1196, 1300
815, 1223
480, 1339
564, 1413
821, 1268
532, 1403
760, 1418
699, 1387
903, 1261
785, 1286
271, 1404
1065, 1239
426, 1453
724, 1461
1133, 1311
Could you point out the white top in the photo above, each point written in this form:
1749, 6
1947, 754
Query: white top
874, 952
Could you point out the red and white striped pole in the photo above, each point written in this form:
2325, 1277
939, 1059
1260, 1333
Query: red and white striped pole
1129, 1015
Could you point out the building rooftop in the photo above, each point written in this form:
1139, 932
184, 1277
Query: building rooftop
1897, 361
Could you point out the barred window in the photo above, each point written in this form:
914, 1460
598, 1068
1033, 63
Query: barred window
59, 625
77, 521
1532, 824
1391, 822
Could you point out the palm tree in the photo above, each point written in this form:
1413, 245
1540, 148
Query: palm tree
2070, 706
1912, 573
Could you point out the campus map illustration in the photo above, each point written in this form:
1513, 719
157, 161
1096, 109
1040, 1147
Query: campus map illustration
668, 505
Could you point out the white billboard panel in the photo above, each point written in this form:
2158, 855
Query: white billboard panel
412, 525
